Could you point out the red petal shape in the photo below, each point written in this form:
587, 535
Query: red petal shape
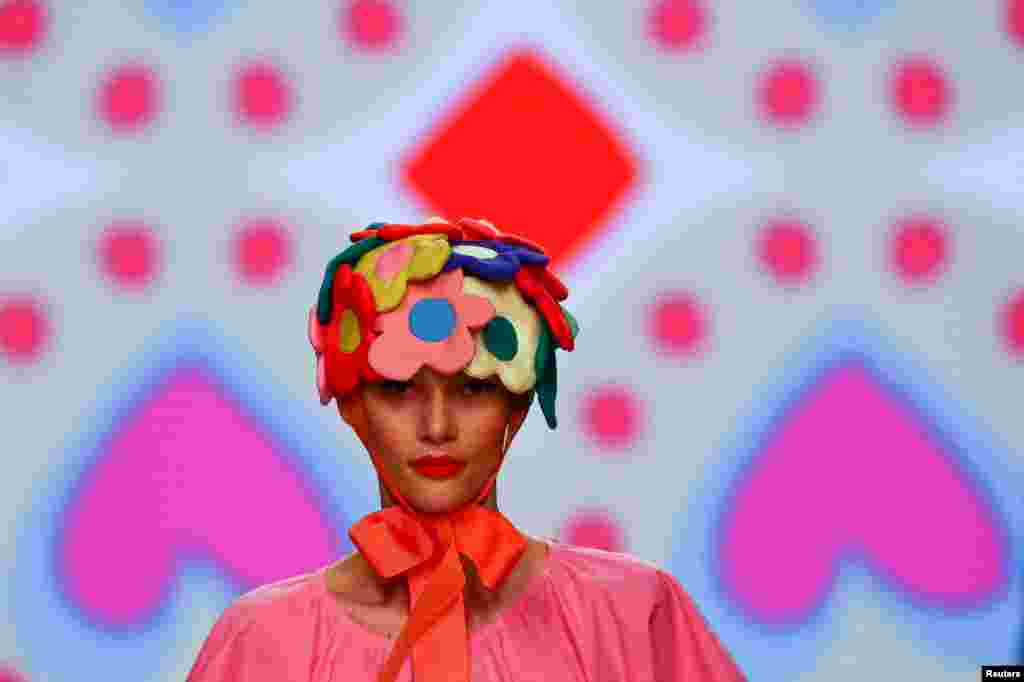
551, 282
476, 229
346, 370
530, 285
315, 332
392, 232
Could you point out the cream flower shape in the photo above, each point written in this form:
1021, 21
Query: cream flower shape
508, 344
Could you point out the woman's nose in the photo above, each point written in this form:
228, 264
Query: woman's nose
439, 422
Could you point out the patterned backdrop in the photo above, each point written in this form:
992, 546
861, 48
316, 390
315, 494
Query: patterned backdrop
791, 230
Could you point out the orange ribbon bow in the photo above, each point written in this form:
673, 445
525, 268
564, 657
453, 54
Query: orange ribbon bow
427, 551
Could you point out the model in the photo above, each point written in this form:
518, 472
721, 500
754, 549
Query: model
433, 339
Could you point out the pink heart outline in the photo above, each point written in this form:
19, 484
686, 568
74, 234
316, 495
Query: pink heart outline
49, 616
157, 495
780, 581
190, 359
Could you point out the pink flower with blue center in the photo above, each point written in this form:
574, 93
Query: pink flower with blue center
430, 327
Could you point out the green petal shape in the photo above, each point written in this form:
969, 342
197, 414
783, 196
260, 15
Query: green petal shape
544, 343
547, 376
500, 338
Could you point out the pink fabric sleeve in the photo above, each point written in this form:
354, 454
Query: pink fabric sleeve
239, 649
685, 648
220, 658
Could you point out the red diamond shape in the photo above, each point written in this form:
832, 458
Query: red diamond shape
527, 151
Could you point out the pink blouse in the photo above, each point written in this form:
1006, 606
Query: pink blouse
588, 616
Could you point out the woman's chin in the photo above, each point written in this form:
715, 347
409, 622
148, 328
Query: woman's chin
441, 498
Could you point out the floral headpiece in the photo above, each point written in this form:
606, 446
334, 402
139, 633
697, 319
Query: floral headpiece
459, 296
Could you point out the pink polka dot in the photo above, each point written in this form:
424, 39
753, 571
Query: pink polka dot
128, 97
262, 96
921, 92
371, 24
129, 254
919, 249
262, 251
22, 26
677, 324
594, 528
611, 417
1014, 17
24, 329
788, 93
1011, 323
677, 24
787, 249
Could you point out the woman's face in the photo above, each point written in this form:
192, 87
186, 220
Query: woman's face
434, 414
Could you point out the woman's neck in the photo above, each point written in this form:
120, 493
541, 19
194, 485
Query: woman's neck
490, 502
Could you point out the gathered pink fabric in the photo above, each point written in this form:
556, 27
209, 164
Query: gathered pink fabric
587, 616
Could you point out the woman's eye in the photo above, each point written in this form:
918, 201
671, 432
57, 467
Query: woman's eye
479, 386
395, 386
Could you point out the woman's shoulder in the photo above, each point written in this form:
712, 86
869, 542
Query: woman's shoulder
267, 628
271, 602
628, 596
619, 575
602, 563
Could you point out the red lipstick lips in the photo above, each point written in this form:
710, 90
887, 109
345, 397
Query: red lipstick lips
437, 466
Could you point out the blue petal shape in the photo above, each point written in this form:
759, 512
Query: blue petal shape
187, 16
501, 268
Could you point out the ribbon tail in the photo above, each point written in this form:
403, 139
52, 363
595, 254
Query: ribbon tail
435, 632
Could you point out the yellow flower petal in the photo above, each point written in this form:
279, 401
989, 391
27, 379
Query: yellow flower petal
349, 337
429, 256
432, 251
